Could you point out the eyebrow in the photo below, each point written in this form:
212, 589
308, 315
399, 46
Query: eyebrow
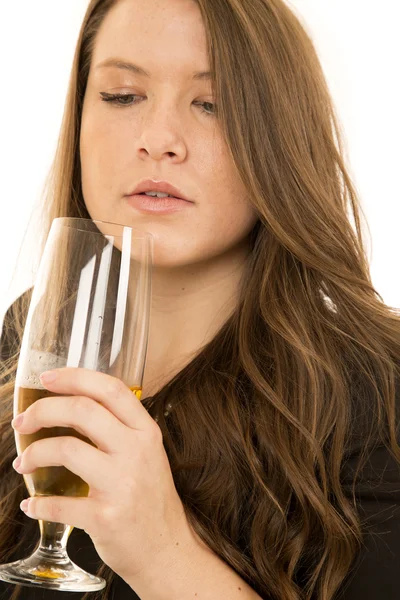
128, 66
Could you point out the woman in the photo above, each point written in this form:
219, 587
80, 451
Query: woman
272, 362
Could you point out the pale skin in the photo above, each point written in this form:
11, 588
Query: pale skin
164, 135
134, 514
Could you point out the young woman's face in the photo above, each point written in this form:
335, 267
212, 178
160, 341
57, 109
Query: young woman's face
163, 130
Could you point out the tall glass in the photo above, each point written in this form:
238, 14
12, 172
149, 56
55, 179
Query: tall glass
90, 308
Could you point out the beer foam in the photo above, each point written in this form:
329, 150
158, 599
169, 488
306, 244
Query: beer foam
30, 367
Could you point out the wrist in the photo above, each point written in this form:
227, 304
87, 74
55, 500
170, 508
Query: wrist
170, 570
190, 569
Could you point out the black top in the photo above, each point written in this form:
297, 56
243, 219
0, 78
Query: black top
375, 574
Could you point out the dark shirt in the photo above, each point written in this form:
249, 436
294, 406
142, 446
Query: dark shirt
375, 573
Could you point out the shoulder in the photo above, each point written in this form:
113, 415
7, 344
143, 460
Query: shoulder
370, 462
375, 481
366, 406
374, 573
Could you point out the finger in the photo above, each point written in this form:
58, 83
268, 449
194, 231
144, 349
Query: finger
106, 389
92, 465
83, 414
76, 512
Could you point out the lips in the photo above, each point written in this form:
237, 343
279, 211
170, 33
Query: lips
160, 206
151, 185
157, 197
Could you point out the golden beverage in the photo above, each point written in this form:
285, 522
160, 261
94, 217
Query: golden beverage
50, 481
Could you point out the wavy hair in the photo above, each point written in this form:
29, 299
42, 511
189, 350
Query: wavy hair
263, 417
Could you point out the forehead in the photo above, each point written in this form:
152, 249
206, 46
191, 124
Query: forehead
156, 34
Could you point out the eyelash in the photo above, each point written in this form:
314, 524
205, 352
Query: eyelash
114, 99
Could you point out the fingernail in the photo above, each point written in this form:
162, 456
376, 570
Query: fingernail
17, 462
17, 421
25, 505
48, 377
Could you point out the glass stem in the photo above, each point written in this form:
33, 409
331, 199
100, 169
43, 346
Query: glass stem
53, 540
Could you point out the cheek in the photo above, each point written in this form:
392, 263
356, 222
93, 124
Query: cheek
103, 148
234, 222
99, 151
206, 233
220, 227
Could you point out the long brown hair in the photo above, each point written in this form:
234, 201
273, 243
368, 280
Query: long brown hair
263, 417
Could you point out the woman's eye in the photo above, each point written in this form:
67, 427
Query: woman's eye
206, 112
120, 100
116, 98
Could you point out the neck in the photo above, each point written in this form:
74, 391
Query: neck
189, 306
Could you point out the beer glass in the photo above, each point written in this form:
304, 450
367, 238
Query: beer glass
89, 308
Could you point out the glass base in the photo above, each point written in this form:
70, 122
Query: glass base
50, 571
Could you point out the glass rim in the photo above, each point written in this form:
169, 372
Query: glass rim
140, 232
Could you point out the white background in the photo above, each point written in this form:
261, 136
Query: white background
358, 44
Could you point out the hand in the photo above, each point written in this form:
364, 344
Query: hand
133, 512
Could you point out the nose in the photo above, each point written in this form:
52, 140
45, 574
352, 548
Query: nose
162, 136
